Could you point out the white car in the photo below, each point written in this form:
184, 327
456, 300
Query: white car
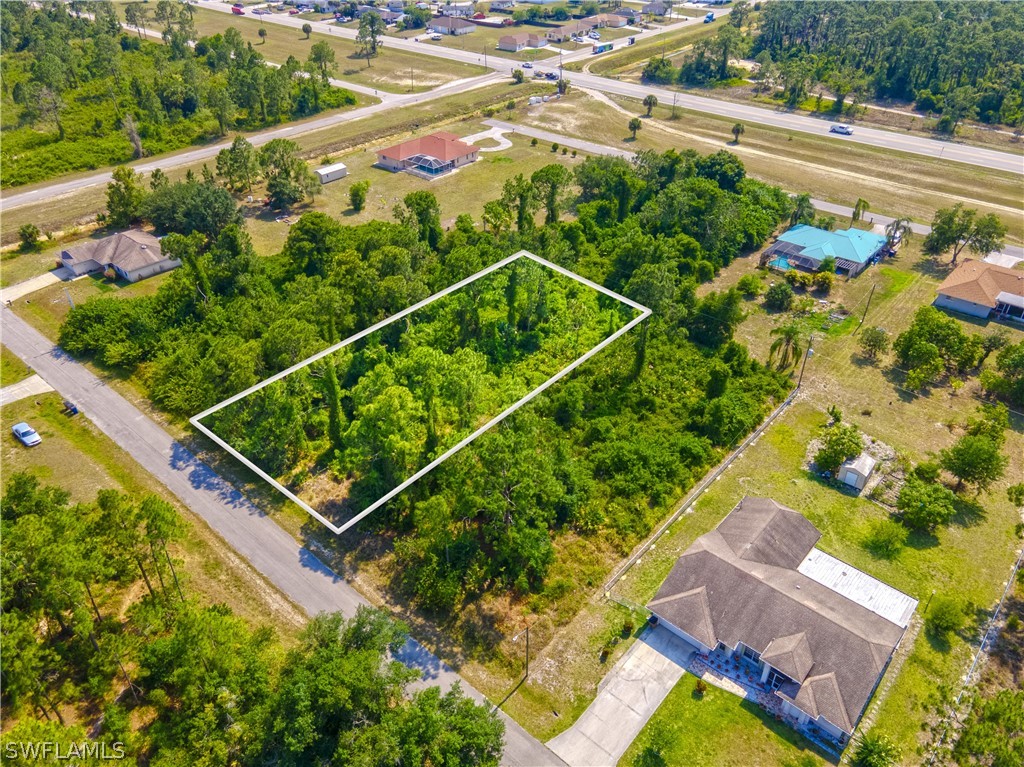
846, 130
527, 65
594, 36
436, 37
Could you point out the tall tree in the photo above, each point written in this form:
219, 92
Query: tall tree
958, 227
125, 197
551, 183
368, 38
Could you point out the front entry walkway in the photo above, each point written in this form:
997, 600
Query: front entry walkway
629, 695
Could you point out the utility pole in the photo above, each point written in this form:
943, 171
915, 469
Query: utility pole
808, 353
867, 305
516, 639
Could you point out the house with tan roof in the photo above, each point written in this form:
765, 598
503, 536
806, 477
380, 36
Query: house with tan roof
428, 156
981, 289
612, 20
570, 30
813, 634
521, 40
132, 255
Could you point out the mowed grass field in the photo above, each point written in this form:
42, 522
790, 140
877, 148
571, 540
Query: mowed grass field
625, 59
76, 456
464, 191
894, 183
388, 71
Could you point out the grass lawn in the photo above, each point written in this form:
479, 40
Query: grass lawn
76, 456
718, 729
894, 183
389, 71
464, 191
635, 56
12, 369
46, 309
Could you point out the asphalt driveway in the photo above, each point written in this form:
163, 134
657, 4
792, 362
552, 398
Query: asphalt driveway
629, 695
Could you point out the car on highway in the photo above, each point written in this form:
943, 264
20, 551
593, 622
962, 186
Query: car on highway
527, 65
846, 130
237, 11
294, 12
261, 11
26, 435
552, 75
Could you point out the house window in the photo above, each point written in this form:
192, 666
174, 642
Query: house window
750, 654
775, 680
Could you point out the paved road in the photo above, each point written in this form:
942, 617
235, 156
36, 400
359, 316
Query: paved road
629, 695
296, 571
603, 149
972, 155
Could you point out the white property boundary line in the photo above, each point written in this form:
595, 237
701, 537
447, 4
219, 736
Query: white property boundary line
195, 420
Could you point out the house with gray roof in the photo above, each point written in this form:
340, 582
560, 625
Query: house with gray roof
133, 255
817, 633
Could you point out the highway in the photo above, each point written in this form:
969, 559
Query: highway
946, 150
296, 571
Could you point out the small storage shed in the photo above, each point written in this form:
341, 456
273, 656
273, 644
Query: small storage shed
330, 173
855, 471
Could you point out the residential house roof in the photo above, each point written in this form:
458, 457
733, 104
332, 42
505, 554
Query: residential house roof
740, 583
450, 22
522, 38
128, 250
982, 283
442, 145
854, 245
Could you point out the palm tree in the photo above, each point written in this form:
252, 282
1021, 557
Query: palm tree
898, 230
263, 35
861, 207
803, 213
737, 131
635, 125
786, 345
650, 101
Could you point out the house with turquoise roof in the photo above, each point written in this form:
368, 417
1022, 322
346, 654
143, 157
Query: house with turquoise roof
805, 247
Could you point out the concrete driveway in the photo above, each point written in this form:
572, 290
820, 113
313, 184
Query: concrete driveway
629, 695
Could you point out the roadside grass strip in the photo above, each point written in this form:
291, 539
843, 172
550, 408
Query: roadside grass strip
347, 429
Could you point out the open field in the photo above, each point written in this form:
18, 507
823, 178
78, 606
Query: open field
389, 71
12, 369
717, 729
893, 183
625, 59
76, 456
485, 39
465, 191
